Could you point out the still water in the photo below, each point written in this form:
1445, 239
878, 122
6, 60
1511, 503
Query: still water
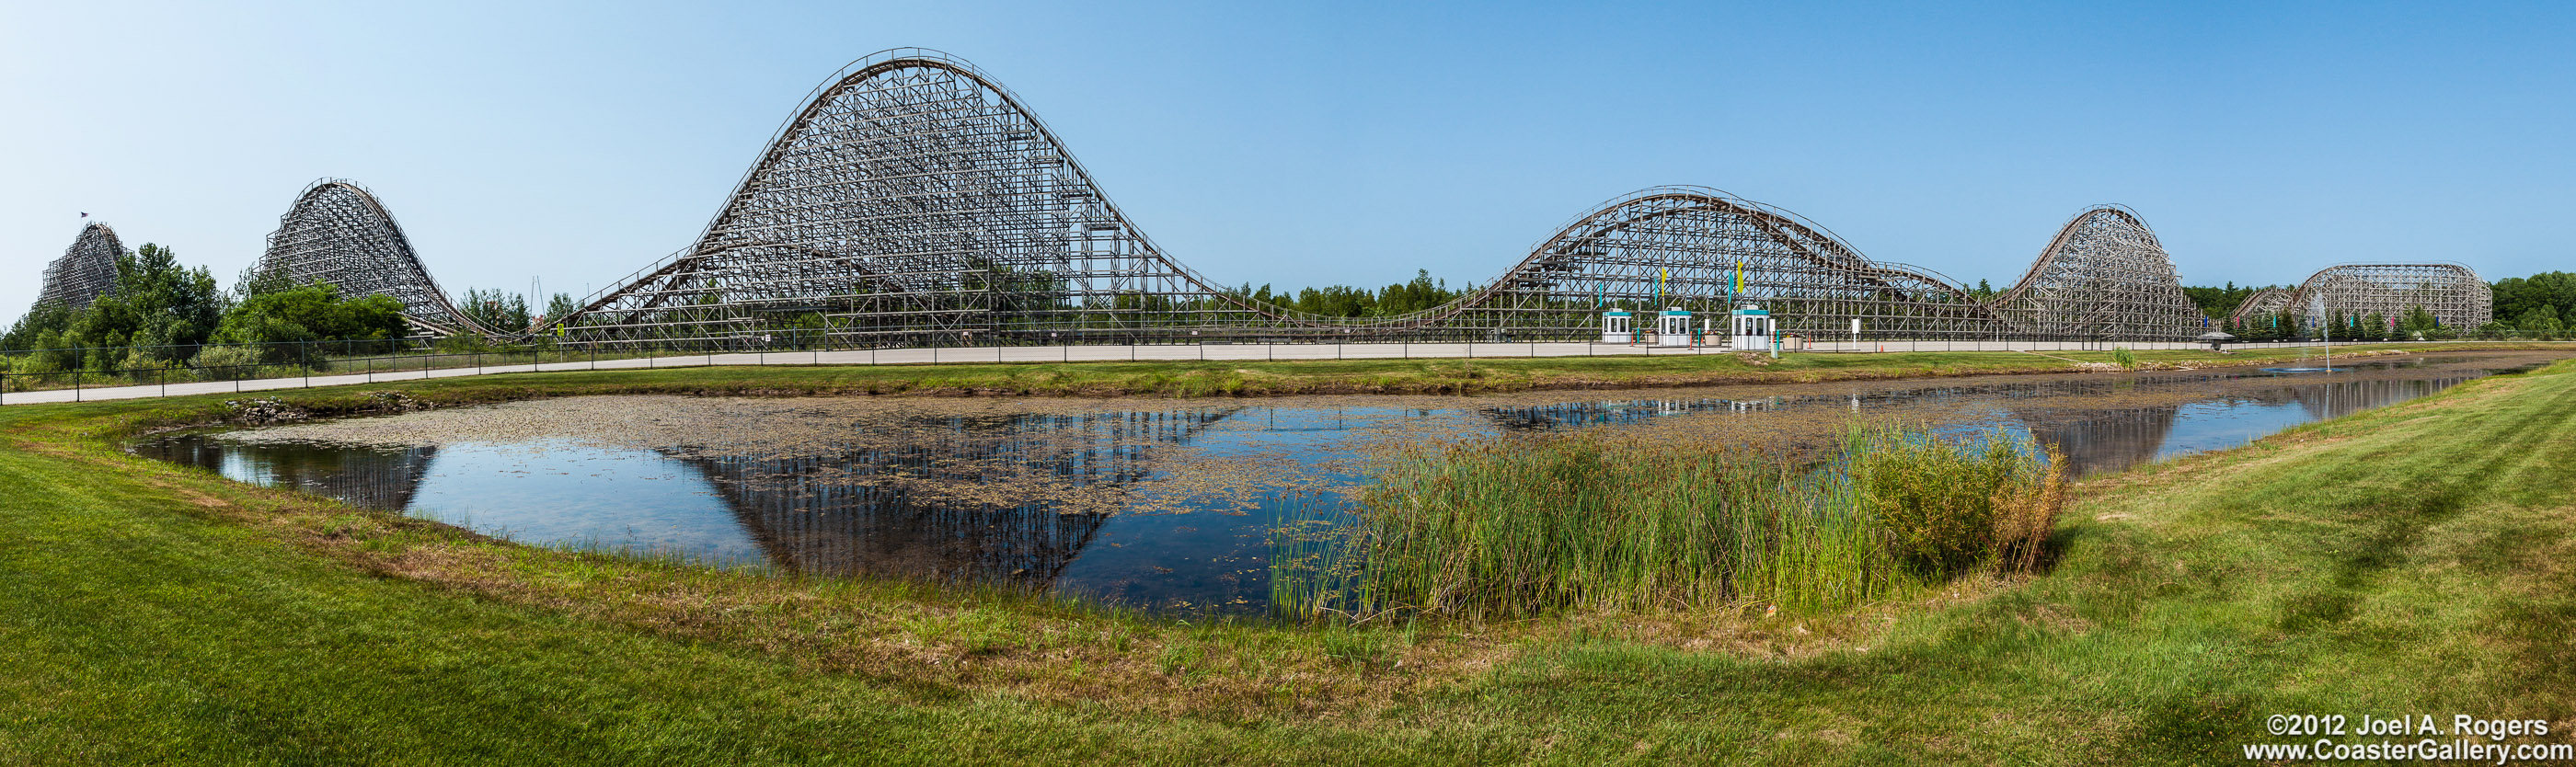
1161, 504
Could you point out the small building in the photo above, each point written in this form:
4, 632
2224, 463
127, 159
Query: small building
1673, 327
1750, 328
1617, 326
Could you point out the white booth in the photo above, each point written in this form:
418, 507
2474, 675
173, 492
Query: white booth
1749, 328
1673, 327
1616, 327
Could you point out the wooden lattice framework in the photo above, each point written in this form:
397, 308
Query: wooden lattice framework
339, 233
913, 201
2103, 277
87, 270
2454, 294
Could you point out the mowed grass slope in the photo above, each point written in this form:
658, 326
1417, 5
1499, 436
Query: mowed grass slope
2418, 559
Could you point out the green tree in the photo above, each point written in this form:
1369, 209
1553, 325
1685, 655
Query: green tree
29, 330
495, 309
160, 312
313, 312
561, 305
177, 307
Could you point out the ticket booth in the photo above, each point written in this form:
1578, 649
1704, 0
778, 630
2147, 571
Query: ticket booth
1673, 327
1750, 328
1616, 326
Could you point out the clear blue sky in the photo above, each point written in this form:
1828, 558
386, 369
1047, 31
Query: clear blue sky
1304, 144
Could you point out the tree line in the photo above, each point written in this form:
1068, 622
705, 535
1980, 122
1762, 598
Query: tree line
162, 313
1421, 292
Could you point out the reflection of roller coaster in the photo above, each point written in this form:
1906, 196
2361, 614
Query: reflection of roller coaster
2452, 293
913, 201
1010, 499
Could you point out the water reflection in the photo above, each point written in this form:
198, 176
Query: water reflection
910, 510
366, 477
1123, 503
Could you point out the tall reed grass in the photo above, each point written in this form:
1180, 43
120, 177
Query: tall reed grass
1514, 527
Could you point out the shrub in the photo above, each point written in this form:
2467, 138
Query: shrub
1944, 507
2127, 360
225, 363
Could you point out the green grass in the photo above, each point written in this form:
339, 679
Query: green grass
1443, 376
2420, 558
1516, 527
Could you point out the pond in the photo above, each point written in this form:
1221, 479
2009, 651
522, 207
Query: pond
1157, 504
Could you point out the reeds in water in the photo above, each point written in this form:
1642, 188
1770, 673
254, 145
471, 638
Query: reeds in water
1514, 527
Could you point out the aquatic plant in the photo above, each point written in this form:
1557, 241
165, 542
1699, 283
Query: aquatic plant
1944, 507
1512, 527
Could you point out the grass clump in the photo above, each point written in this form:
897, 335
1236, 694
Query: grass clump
1517, 527
1944, 507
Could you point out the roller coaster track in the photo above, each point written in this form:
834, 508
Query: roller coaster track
913, 200
2103, 276
2454, 294
87, 270
339, 233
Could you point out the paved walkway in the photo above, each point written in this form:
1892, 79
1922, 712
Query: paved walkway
990, 354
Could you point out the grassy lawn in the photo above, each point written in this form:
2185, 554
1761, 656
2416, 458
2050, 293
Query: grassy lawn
2418, 559
1424, 376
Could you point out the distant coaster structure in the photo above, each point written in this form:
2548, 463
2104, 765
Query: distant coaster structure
2454, 294
87, 270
